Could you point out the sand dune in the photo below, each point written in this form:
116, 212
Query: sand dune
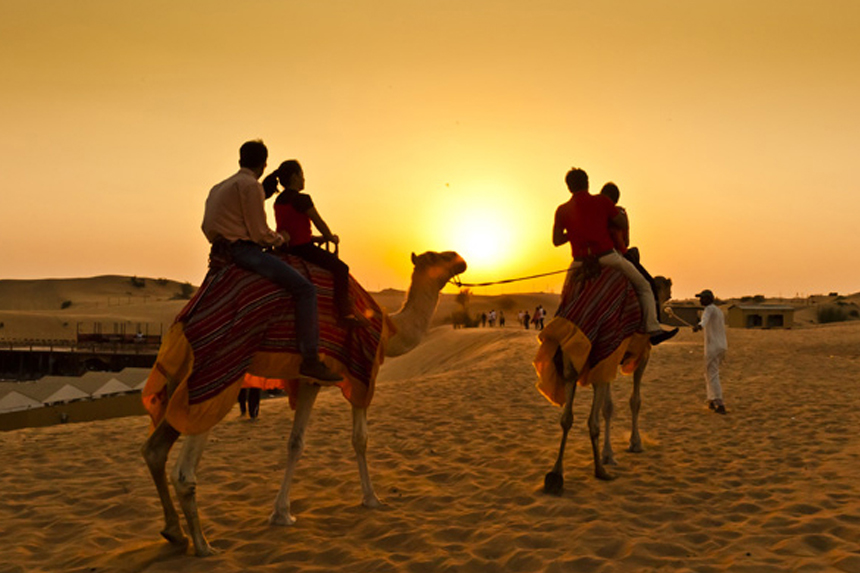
459, 443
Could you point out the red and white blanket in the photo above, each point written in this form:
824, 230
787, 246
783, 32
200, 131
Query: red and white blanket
239, 329
598, 327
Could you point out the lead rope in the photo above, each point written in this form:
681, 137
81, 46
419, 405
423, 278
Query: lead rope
456, 280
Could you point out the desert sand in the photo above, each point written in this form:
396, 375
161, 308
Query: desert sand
459, 443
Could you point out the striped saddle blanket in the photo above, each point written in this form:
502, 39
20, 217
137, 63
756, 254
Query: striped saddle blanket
236, 316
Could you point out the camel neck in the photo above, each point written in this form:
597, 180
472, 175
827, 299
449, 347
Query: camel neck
413, 318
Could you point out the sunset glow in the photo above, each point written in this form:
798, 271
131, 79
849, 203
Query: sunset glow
441, 125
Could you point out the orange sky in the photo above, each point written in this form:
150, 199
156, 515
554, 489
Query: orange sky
732, 129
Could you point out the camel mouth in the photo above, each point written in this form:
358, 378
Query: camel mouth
459, 267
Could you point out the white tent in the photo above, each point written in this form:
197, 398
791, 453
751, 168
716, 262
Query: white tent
112, 386
66, 393
14, 401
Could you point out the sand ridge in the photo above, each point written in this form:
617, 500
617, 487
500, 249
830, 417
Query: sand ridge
459, 443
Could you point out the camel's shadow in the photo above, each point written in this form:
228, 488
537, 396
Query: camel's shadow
140, 557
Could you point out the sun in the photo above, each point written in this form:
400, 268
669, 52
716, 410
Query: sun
485, 243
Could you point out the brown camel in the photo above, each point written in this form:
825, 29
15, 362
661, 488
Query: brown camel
430, 274
585, 344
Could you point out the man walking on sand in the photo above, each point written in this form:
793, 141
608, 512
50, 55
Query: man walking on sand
235, 219
713, 323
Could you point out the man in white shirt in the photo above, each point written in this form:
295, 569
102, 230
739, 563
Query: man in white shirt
235, 216
713, 323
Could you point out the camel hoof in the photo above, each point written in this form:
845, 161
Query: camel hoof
372, 502
553, 483
174, 535
205, 550
609, 461
603, 475
281, 519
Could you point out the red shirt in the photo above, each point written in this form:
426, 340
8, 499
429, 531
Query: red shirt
291, 215
621, 237
586, 218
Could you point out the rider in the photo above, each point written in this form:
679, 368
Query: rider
294, 213
621, 240
236, 218
584, 222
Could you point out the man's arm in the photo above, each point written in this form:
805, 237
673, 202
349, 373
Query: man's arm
620, 220
559, 233
254, 213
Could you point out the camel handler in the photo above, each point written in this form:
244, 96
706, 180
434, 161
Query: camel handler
713, 323
234, 222
584, 222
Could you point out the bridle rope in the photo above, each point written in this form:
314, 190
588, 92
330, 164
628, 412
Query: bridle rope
456, 280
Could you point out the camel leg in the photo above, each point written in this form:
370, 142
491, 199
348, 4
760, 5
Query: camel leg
184, 478
554, 481
635, 405
600, 391
155, 450
608, 410
307, 395
359, 443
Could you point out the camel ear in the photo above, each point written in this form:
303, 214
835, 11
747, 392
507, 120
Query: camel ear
414, 258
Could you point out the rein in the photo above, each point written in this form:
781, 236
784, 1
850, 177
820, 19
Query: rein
456, 280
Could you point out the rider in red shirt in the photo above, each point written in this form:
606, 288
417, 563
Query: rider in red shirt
585, 223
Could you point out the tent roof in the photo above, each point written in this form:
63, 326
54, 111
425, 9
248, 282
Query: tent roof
14, 401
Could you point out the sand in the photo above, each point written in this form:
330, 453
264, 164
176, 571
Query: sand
459, 443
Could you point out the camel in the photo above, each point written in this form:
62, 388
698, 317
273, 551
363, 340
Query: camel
430, 274
567, 358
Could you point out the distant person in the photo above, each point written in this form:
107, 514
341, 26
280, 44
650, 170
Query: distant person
501, 319
621, 240
235, 222
294, 213
491, 318
483, 319
713, 324
584, 222
540, 316
526, 319
251, 397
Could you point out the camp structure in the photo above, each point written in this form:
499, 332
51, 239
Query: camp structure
760, 316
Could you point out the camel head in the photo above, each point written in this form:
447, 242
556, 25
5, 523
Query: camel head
664, 289
438, 268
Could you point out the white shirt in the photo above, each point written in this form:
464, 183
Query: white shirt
235, 211
713, 324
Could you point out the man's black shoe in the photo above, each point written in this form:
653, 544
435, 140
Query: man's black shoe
663, 336
316, 370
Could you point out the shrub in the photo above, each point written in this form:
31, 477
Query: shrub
186, 290
66, 304
137, 283
831, 314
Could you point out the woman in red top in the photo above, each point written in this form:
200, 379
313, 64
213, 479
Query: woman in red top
294, 213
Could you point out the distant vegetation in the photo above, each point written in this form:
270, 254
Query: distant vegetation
137, 283
186, 290
66, 304
759, 298
831, 314
161, 282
